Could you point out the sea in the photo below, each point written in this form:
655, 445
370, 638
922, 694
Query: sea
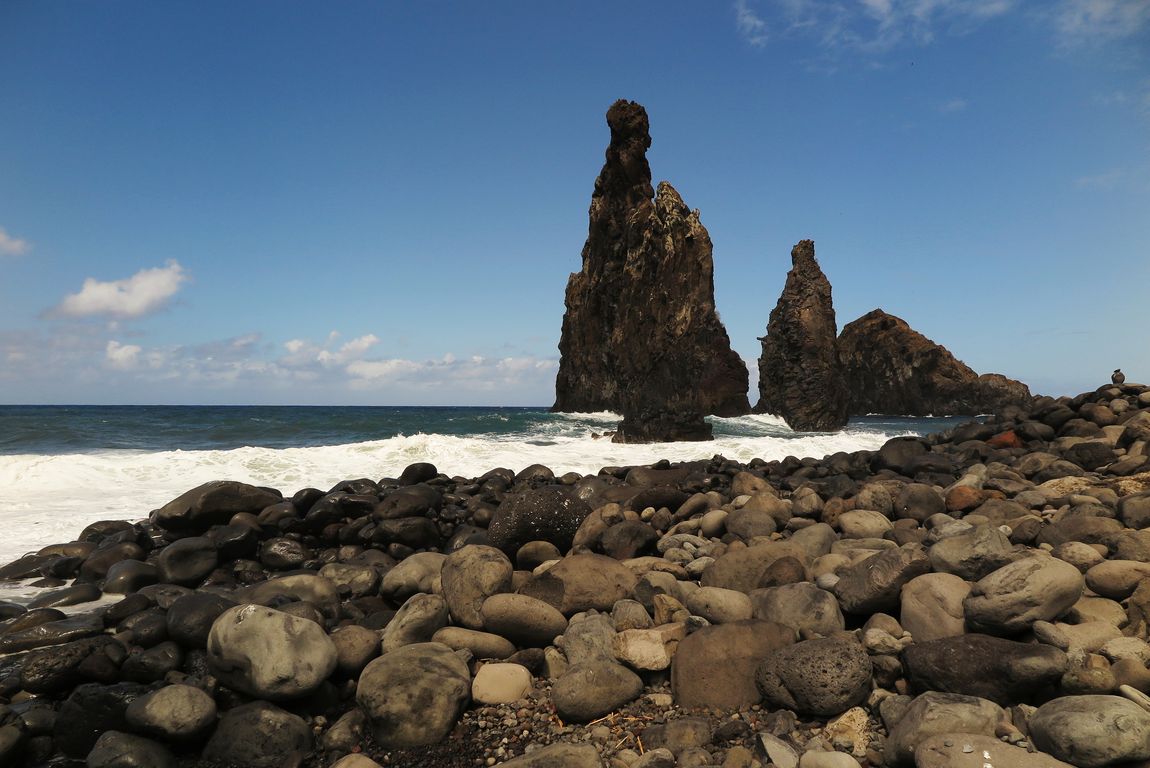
63, 467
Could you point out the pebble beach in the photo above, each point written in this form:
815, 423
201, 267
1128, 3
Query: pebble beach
971, 597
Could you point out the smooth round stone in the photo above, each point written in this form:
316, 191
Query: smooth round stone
968, 750
416, 621
469, 576
179, 713
1117, 579
355, 646
259, 735
500, 683
1092, 731
1010, 599
863, 524
525, 621
269, 654
187, 562
414, 695
417, 574
123, 750
590, 690
481, 645
718, 605
74, 595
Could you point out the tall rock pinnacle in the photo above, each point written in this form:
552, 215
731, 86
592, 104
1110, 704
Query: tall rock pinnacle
799, 374
641, 335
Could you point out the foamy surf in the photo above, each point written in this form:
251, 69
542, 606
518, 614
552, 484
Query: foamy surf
48, 499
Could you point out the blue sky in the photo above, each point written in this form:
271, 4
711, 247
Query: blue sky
380, 202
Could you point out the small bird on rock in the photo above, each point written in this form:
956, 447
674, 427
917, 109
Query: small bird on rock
1117, 377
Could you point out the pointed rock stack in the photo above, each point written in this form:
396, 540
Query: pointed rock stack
640, 333
799, 374
892, 368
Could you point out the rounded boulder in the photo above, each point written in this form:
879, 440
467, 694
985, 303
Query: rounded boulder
269, 654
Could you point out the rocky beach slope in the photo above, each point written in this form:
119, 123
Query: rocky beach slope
976, 597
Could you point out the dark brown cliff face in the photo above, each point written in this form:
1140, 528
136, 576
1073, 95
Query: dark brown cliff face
894, 369
799, 374
640, 334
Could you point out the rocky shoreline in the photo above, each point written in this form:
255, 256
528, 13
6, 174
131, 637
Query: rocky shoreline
976, 597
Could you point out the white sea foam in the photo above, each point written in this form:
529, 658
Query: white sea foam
49, 499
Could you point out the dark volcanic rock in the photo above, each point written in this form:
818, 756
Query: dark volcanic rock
641, 335
799, 374
892, 368
1004, 671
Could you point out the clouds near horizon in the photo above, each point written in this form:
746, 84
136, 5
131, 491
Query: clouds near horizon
145, 292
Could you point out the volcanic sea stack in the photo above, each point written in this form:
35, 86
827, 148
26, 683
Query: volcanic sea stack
800, 377
640, 332
893, 368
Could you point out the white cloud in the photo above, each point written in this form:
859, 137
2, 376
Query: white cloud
1087, 21
475, 373
950, 106
141, 294
12, 246
1104, 180
751, 26
122, 356
869, 25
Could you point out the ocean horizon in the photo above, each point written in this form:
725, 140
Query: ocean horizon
63, 467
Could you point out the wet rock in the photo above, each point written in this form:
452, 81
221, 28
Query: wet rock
174, 713
187, 561
115, 749
800, 376
189, 618
210, 504
259, 735
90, 710
413, 695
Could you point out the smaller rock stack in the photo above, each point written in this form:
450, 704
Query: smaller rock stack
800, 377
982, 591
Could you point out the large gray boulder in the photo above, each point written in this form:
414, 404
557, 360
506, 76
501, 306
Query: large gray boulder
1092, 731
470, 575
1009, 600
874, 584
269, 654
414, 695
935, 713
